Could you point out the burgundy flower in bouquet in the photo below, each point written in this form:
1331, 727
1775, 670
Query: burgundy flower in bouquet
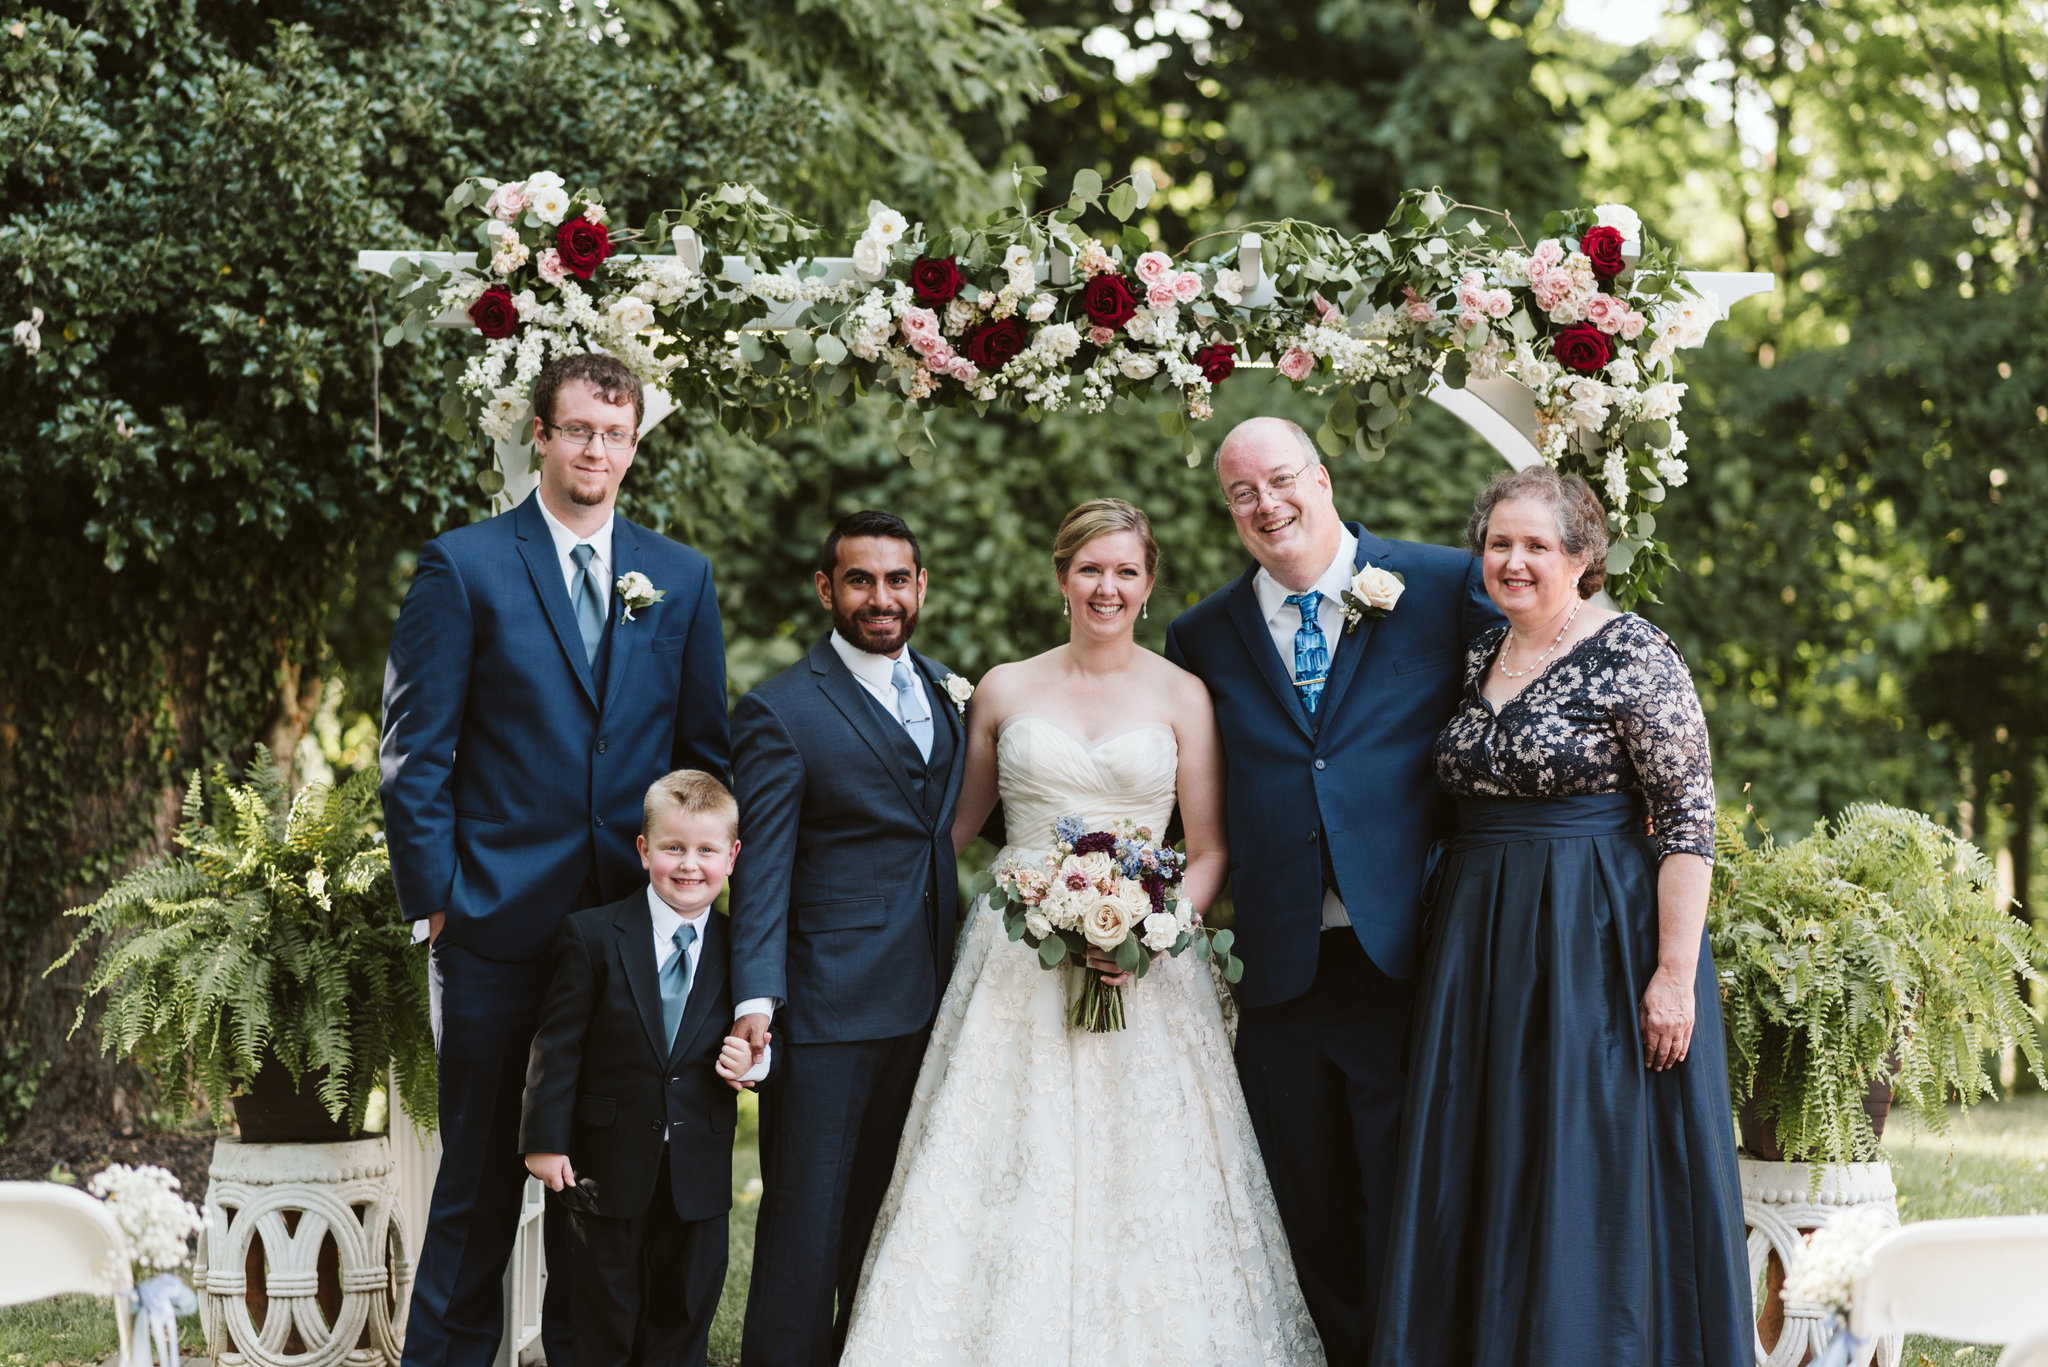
1602, 247
994, 345
494, 313
584, 246
934, 279
1218, 361
1582, 348
1109, 301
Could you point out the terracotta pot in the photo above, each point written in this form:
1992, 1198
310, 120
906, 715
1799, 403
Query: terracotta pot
1760, 1135
273, 1111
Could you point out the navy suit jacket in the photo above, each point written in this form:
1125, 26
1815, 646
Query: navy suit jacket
844, 900
510, 787
1357, 777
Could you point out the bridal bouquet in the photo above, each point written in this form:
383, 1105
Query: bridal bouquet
1116, 891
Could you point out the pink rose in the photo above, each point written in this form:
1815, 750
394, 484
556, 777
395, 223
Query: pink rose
1101, 336
928, 345
1297, 364
1471, 291
1187, 287
920, 323
1549, 252
549, 264
1160, 295
1499, 303
1606, 312
1551, 290
1469, 319
507, 202
1333, 316
1154, 267
1632, 325
1420, 310
963, 370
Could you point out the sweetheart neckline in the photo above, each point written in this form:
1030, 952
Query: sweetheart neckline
1088, 745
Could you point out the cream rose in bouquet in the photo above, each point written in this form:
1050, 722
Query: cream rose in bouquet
1113, 891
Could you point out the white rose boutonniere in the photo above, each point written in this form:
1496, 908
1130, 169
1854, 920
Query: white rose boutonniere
1373, 593
635, 592
959, 690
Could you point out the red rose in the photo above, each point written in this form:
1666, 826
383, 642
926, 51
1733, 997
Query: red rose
495, 315
584, 246
1217, 361
1602, 247
934, 280
1582, 347
1109, 300
994, 345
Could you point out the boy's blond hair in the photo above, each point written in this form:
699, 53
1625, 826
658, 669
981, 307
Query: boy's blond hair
689, 791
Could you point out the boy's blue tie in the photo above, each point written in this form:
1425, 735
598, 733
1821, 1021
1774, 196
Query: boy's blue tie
589, 604
675, 983
1311, 651
917, 716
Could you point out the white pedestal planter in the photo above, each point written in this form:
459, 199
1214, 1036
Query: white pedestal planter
1780, 1209
303, 1260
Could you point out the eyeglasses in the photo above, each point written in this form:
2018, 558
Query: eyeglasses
576, 434
1280, 486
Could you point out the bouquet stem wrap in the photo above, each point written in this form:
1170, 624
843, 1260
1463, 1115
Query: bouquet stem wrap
156, 1304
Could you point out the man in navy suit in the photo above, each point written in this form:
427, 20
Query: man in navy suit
847, 767
1327, 719
531, 696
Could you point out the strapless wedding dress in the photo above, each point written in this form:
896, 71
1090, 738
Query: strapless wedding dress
1072, 1198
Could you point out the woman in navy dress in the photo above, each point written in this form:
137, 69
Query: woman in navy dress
1568, 1191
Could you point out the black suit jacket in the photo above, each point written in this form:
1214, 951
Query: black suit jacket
602, 1088
844, 904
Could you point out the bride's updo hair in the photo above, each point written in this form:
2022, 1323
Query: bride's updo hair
1100, 517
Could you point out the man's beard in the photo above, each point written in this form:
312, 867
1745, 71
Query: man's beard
866, 636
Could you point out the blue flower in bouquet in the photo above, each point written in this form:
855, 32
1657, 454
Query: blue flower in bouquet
1067, 829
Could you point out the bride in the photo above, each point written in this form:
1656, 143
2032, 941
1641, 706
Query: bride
1063, 1197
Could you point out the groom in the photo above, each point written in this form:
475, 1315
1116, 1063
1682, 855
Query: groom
847, 766
524, 718
1332, 806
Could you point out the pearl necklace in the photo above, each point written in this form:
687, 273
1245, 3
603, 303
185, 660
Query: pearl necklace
1502, 663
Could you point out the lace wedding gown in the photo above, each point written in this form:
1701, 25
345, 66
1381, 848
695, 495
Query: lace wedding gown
1072, 1198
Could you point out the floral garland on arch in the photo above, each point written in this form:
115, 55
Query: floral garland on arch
1033, 313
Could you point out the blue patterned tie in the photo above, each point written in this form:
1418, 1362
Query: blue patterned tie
675, 983
917, 717
589, 603
1311, 651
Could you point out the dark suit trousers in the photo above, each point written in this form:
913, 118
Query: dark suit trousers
647, 1287
829, 1128
486, 1013
1323, 1079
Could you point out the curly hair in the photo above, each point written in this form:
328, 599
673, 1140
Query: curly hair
1581, 521
606, 374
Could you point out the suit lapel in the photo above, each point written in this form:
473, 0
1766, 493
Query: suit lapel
1258, 642
634, 927
1372, 550
837, 683
705, 987
625, 635
537, 548
943, 704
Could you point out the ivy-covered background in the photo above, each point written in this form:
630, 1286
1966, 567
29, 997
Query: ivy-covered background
216, 479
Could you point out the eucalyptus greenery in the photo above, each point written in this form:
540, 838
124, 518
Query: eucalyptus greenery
276, 931
1872, 949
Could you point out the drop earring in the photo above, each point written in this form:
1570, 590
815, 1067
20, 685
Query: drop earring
1063, 608
1144, 609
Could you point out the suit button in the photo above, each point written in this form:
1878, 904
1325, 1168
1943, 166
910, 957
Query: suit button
1319, 764
600, 821
655, 1125
1312, 836
602, 746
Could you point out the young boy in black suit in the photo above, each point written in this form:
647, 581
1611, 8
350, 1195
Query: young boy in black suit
631, 1089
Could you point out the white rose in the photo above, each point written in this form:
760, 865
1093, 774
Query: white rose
1662, 400
1106, 922
1040, 310
888, 227
1096, 870
959, 314
631, 315
635, 585
1377, 588
958, 689
1184, 914
1017, 263
1038, 924
1063, 905
1136, 365
1621, 218
1161, 931
870, 258
1061, 339
543, 180
550, 202
1230, 286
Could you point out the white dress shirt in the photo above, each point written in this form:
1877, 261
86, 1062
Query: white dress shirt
566, 541
666, 919
1283, 619
877, 674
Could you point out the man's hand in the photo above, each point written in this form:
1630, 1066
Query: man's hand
754, 1030
735, 1057
551, 1168
434, 920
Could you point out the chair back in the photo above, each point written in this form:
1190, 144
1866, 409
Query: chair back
2032, 1353
1973, 1281
54, 1240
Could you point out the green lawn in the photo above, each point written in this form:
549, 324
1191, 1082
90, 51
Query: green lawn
1992, 1162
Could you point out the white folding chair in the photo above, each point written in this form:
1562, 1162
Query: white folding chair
1973, 1281
55, 1240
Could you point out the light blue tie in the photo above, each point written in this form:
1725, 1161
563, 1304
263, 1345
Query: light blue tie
589, 603
675, 983
910, 703
1311, 651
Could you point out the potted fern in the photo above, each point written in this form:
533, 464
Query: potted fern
263, 962
1867, 961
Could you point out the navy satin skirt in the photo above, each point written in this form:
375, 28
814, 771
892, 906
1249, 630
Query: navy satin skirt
1558, 1202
